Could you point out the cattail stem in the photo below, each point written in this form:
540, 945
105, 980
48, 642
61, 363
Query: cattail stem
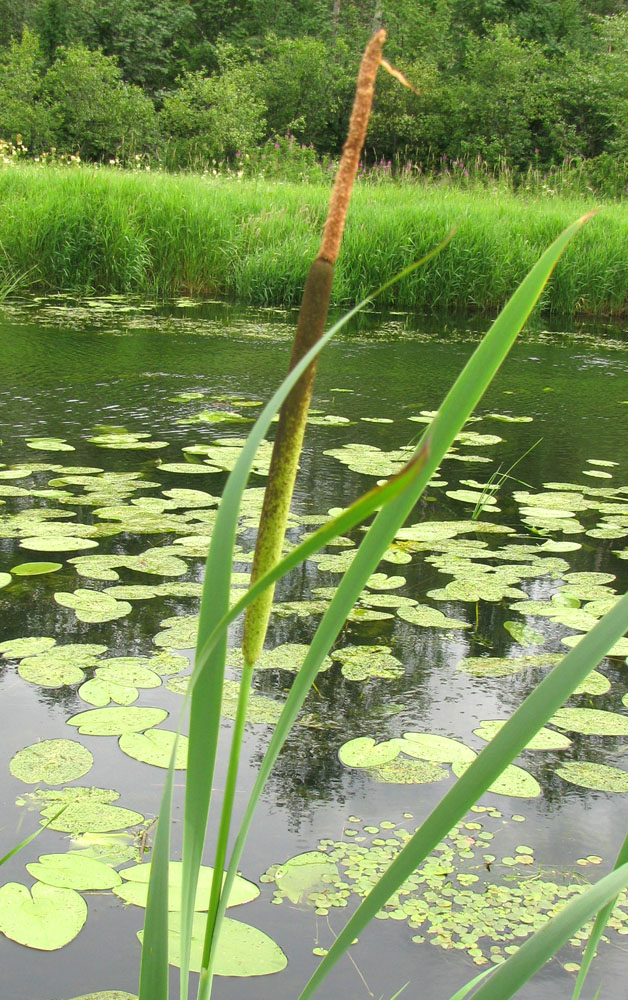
310, 327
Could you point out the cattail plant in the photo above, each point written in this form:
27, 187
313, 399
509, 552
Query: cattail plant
312, 318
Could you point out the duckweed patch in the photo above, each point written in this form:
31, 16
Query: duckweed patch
464, 897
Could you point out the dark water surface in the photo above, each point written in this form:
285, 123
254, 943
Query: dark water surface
69, 369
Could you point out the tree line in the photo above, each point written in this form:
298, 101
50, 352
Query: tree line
190, 82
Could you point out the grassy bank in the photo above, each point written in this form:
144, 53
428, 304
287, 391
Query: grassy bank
102, 231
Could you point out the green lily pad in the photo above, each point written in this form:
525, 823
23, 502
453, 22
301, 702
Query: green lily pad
68, 871
188, 468
116, 721
155, 747
57, 543
545, 739
36, 568
61, 664
52, 761
15, 649
299, 876
620, 648
364, 752
135, 889
85, 816
49, 673
514, 781
46, 920
128, 670
380, 581
503, 666
428, 617
594, 683
5, 580
288, 656
591, 721
101, 693
122, 440
49, 444
107, 995
359, 663
439, 749
525, 635
92, 606
242, 950
408, 772
599, 776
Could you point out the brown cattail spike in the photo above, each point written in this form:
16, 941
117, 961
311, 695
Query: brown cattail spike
352, 149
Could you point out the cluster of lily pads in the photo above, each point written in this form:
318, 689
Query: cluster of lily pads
522, 566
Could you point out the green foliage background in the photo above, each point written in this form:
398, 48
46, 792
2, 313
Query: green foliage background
508, 83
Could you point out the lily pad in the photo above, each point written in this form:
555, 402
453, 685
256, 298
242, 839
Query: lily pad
46, 920
101, 693
503, 666
36, 568
116, 721
428, 617
439, 749
299, 876
69, 871
155, 747
57, 543
591, 721
86, 816
599, 776
49, 444
52, 761
545, 739
107, 995
288, 656
135, 889
594, 683
514, 781
92, 606
525, 635
5, 580
15, 649
408, 772
49, 673
364, 752
359, 663
242, 950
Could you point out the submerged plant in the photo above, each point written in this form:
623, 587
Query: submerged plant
393, 501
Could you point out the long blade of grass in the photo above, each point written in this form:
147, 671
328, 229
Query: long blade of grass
31, 836
154, 979
598, 929
520, 967
466, 989
457, 407
205, 706
531, 716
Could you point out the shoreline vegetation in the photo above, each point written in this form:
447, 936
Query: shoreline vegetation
98, 231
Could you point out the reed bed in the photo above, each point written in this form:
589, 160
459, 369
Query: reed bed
96, 232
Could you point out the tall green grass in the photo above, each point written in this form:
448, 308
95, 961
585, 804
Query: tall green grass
395, 501
94, 232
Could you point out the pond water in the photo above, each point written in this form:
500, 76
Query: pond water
109, 378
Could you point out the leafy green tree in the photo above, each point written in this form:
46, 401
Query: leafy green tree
98, 114
211, 117
149, 40
23, 111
